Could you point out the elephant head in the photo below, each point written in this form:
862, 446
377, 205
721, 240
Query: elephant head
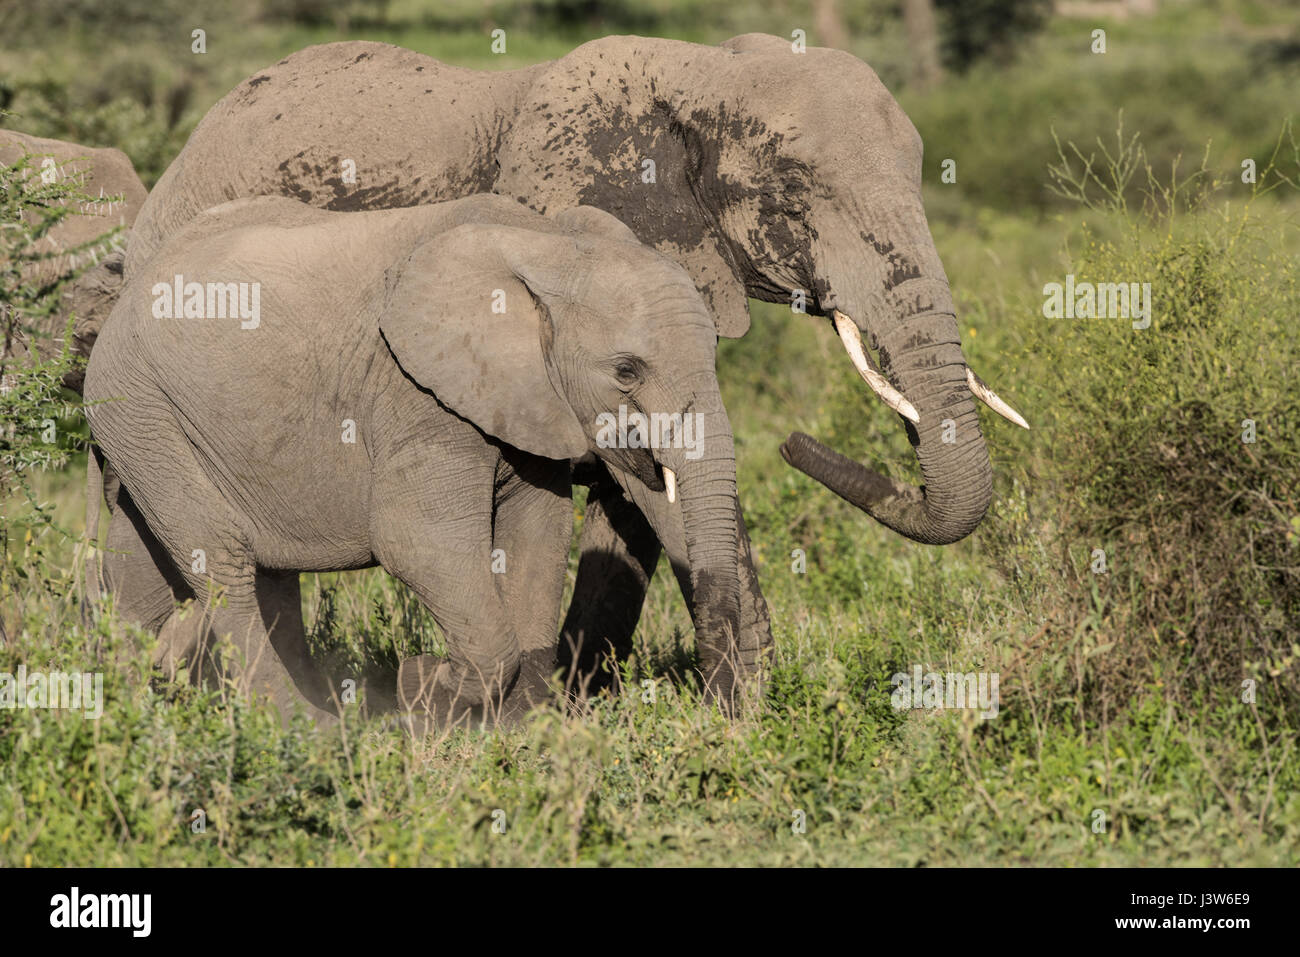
770, 173
583, 342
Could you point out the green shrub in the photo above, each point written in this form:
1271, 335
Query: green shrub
145, 110
32, 400
1172, 449
974, 29
40, 421
996, 121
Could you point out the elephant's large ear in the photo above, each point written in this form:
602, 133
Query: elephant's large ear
710, 266
468, 328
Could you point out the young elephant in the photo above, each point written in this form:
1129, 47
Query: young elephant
284, 389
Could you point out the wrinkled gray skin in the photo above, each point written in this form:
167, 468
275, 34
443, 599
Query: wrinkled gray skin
774, 172
91, 295
232, 441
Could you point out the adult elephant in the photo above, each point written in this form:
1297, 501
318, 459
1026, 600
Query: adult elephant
763, 171
106, 175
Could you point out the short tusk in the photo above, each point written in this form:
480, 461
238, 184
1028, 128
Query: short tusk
852, 339
990, 398
670, 484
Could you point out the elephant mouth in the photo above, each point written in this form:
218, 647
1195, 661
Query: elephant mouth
651, 465
638, 462
653, 475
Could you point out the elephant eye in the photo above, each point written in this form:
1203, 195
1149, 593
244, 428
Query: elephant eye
627, 370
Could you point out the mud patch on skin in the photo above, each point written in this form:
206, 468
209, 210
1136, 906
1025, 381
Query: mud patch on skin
694, 199
729, 202
310, 183
821, 291
898, 267
317, 180
390, 195
609, 154
291, 182
249, 91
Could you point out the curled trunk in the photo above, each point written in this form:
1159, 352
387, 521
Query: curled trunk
920, 352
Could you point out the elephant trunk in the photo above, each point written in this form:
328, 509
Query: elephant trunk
705, 469
925, 379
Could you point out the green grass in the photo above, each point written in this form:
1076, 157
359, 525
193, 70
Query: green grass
1123, 736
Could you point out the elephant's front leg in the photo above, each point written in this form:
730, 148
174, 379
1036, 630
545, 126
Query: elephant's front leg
532, 531
619, 552
432, 529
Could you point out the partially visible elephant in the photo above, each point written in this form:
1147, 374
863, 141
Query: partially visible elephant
765, 171
107, 174
404, 388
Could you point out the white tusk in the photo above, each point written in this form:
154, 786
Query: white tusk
852, 339
990, 398
670, 484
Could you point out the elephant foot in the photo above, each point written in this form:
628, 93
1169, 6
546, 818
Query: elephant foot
426, 704
532, 689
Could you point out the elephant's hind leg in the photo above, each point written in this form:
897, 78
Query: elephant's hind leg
138, 571
260, 612
257, 610
147, 587
279, 604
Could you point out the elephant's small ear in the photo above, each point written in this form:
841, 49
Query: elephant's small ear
462, 325
589, 219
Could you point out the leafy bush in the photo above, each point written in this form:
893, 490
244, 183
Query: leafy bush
1171, 449
40, 418
317, 12
31, 205
996, 121
145, 110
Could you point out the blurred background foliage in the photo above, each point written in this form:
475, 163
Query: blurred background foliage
1123, 690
